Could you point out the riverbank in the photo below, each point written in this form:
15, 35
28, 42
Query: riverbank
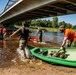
36, 67
48, 29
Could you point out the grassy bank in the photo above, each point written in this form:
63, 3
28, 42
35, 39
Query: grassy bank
46, 29
49, 29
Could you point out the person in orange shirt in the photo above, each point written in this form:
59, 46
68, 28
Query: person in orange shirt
69, 35
4, 33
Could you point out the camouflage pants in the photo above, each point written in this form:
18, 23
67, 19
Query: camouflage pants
23, 46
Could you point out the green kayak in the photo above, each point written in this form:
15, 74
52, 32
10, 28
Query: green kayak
43, 54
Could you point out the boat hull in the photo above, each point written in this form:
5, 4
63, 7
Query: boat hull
69, 61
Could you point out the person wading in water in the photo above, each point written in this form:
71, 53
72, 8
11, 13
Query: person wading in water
23, 50
40, 32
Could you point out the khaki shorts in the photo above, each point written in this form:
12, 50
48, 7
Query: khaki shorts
22, 43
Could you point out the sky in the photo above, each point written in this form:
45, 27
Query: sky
2, 5
67, 18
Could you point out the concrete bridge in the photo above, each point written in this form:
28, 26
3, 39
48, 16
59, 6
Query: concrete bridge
34, 9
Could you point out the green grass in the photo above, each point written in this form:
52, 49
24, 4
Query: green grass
49, 29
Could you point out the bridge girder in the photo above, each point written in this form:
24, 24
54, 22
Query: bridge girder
35, 9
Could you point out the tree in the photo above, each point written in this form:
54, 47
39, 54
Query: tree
44, 23
55, 22
68, 25
28, 22
33, 23
18, 23
49, 23
62, 23
74, 27
38, 23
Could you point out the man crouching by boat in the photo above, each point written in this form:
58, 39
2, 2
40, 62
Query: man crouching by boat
69, 35
23, 50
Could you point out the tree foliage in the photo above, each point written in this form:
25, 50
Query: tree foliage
55, 22
47, 23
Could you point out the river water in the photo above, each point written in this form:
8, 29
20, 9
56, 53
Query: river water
8, 48
55, 37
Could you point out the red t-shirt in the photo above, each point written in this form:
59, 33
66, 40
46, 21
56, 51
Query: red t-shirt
4, 30
0, 29
70, 34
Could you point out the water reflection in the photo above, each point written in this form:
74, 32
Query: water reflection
7, 52
4, 44
4, 50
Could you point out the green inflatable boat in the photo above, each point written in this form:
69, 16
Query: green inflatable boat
43, 54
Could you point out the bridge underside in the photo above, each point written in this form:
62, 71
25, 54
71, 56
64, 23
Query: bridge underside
48, 9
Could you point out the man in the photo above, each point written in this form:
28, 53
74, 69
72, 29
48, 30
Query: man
1, 34
68, 35
40, 32
4, 33
24, 34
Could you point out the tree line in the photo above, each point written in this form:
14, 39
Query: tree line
47, 23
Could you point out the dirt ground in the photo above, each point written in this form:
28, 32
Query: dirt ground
36, 67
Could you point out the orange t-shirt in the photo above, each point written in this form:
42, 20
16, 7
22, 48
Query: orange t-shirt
70, 34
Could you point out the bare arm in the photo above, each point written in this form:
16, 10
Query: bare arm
64, 41
15, 32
